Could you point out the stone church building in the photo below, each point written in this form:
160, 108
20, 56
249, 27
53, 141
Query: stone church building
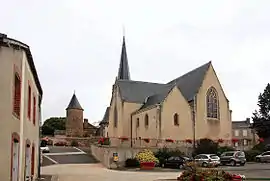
76, 125
190, 107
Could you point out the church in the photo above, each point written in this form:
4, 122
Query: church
190, 107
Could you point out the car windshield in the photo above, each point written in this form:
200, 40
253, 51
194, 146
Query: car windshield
214, 157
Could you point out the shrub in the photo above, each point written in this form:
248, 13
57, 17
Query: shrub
222, 149
164, 153
60, 143
206, 146
260, 146
74, 143
132, 163
251, 154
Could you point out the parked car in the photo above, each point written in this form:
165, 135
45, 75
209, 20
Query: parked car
175, 162
44, 147
264, 157
206, 160
233, 158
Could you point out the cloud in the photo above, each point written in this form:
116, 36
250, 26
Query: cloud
76, 46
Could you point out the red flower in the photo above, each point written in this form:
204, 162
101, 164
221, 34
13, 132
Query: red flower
123, 138
101, 140
147, 140
234, 140
188, 141
261, 140
220, 140
169, 140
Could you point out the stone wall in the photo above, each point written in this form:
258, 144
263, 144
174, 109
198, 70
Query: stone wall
104, 154
82, 142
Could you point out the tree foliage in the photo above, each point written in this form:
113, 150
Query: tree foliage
52, 124
261, 117
206, 146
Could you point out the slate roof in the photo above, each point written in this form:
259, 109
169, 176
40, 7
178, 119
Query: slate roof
149, 93
105, 117
123, 72
241, 124
74, 103
190, 83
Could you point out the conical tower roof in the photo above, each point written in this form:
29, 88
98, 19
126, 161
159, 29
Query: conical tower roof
74, 103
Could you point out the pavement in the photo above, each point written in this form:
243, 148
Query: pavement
67, 155
71, 163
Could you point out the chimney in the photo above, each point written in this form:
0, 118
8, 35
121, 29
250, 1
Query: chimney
85, 120
248, 120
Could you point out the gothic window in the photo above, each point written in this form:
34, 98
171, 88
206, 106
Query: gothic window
212, 103
146, 121
176, 119
115, 117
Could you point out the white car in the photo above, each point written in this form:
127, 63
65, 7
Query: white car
45, 149
205, 160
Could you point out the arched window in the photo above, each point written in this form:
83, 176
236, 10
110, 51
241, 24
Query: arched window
146, 120
115, 117
176, 119
212, 103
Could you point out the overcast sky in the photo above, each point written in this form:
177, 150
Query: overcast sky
76, 45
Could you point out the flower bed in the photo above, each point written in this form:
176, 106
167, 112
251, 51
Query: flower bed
205, 175
194, 173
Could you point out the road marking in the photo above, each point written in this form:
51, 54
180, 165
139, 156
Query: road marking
64, 153
52, 160
79, 150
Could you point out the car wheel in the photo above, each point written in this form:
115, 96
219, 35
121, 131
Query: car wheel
242, 164
258, 160
232, 163
204, 164
180, 166
163, 165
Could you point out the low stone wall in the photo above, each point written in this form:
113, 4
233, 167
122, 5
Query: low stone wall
104, 154
82, 142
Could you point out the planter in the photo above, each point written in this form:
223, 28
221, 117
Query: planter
147, 165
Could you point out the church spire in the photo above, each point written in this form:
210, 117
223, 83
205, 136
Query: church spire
123, 71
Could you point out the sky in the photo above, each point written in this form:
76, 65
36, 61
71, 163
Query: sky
76, 45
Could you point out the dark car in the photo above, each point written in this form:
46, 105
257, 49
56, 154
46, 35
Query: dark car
233, 158
175, 162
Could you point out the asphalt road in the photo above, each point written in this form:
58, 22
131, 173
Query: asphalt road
67, 155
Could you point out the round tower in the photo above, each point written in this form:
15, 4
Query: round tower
74, 118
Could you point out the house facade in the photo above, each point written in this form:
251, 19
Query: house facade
245, 137
190, 107
20, 108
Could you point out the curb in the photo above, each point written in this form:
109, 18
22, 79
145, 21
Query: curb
54, 178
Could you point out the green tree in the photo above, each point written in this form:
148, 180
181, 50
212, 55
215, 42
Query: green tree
261, 117
206, 146
52, 124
